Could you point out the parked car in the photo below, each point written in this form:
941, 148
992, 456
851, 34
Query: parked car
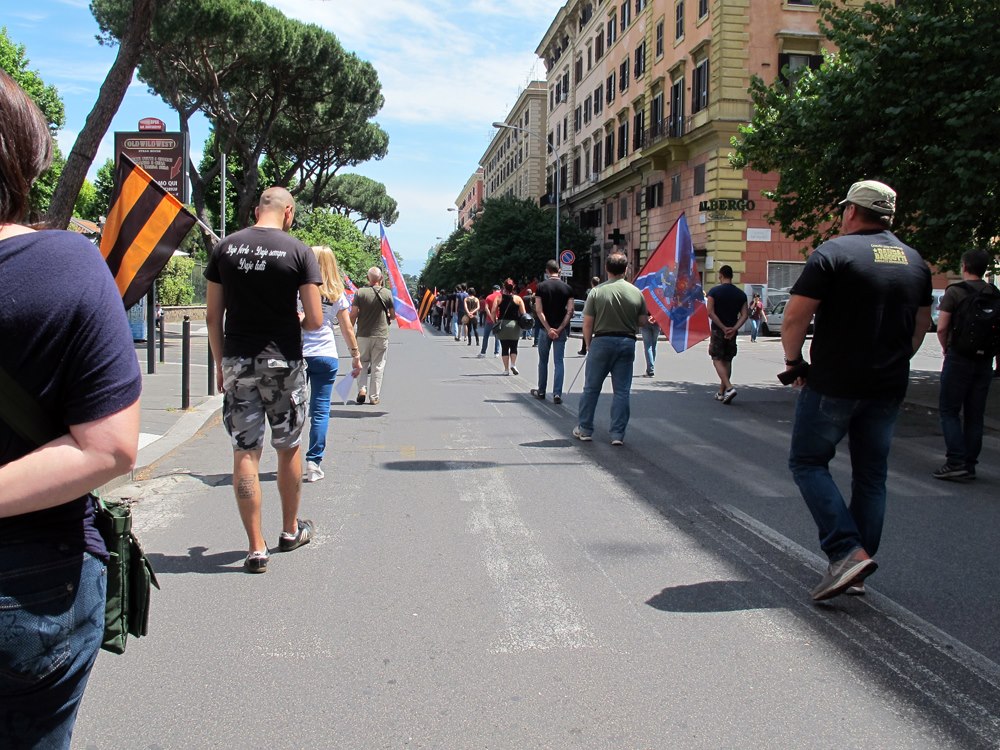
576, 322
771, 325
938, 294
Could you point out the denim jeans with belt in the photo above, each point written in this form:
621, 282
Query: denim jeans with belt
965, 386
51, 627
821, 422
322, 371
614, 355
558, 348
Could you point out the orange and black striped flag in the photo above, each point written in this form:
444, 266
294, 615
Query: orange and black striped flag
145, 225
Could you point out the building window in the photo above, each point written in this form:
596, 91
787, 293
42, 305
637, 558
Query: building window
699, 179
526, 117
565, 86
597, 158
599, 100
609, 213
640, 60
799, 2
656, 115
612, 31
623, 206
675, 188
659, 38
702, 8
638, 202
590, 57
677, 109
611, 88
654, 195
699, 87
791, 66
626, 14
576, 171
609, 148
599, 45
638, 129
578, 70
552, 98
679, 20
623, 74
622, 139
577, 119
586, 109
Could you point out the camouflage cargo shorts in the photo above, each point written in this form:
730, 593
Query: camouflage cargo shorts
259, 387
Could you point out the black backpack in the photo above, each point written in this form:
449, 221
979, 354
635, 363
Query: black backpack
975, 328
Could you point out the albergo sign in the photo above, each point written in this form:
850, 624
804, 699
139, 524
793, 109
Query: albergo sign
727, 204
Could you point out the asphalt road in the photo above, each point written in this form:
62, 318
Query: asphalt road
482, 580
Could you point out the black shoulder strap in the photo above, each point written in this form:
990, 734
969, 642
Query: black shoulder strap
23, 413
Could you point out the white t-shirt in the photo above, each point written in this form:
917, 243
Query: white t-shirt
322, 342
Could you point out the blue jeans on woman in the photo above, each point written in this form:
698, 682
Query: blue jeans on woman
614, 355
821, 422
754, 328
322, 371
965, 386
51, 627
649, 336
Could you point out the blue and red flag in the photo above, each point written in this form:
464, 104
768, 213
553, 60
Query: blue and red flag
406, 312
670, 284
349, 290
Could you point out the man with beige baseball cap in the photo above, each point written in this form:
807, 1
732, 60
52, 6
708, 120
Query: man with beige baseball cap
871, 295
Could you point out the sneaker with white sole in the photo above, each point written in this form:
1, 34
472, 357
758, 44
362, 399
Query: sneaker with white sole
728, 396
718, 396
313, 472
617, 442
952, 471
843, 574
581, 436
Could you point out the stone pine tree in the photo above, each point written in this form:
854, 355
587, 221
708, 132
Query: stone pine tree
912, 98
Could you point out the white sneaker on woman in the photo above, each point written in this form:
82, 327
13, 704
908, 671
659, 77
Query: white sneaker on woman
313, 472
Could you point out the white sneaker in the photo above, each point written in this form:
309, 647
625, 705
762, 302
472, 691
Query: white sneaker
480, 356
313, 472
729, 395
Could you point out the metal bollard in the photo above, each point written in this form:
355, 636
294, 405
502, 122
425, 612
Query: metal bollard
163, 329
186, 364
211, 370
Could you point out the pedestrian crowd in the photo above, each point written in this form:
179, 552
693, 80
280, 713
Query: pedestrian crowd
272, 305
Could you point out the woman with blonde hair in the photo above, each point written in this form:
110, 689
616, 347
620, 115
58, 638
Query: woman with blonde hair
319, 348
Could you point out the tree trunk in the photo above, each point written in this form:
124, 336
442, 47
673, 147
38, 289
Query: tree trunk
99, 120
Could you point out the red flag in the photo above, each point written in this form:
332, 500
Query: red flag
406, 313
670, 284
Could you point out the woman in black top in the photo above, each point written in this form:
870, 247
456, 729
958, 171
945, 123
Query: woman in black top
507, 308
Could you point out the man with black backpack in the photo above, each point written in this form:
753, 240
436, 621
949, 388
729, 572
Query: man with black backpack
969, 332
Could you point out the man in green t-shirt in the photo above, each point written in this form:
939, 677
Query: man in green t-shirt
612, 315
373, 311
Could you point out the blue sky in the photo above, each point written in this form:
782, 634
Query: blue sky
448, 69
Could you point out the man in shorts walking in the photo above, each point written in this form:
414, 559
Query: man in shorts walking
256, 277
727, 308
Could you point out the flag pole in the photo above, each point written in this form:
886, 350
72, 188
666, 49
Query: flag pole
207, 230
577, 376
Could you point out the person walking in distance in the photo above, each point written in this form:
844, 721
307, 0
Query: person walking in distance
612, 315
650, 333
756, 316
871, 295
506, 310
727, 309
968, 329
553, 311
373, 311
471, 316
319, 347
68, 350
594, 281
489, 305
256, 277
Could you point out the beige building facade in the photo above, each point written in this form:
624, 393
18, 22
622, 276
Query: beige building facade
514, 163
644, 96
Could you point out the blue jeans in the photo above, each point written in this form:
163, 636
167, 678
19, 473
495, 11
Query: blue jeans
487, 332
821, 422
965, 385
649, 336
559, 348
322, 371
51, 628
754, 329
614, 355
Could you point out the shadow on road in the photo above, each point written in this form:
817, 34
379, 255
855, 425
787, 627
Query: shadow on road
196, 561
714, 596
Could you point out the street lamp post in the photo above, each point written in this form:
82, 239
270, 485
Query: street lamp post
555, 154
456, 216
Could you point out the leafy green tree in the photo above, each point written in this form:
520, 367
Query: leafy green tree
911, 98
355, 194
86, 202
174, 285
356, 252
139, 15
14, 62
104, 187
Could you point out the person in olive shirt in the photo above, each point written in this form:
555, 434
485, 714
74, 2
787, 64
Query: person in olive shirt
373, 310
612, 315
871, 296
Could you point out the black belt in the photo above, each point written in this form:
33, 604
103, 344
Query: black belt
614, 333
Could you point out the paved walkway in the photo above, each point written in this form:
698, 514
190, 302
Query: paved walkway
165, 425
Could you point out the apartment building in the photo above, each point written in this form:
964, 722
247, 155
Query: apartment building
644, 96
514, 162
470, 201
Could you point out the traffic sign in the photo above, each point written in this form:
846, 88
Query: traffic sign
566, 257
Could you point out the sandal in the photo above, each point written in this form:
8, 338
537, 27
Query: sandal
304, 536
256, 562
373, 400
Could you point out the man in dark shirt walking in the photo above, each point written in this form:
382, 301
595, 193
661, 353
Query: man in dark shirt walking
727, 308
871, 296
553, 311
255, 278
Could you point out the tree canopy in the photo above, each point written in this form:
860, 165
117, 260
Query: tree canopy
911, 98
355, 194
510, 238
356, 252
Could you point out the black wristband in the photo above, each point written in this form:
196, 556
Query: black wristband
792, 362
